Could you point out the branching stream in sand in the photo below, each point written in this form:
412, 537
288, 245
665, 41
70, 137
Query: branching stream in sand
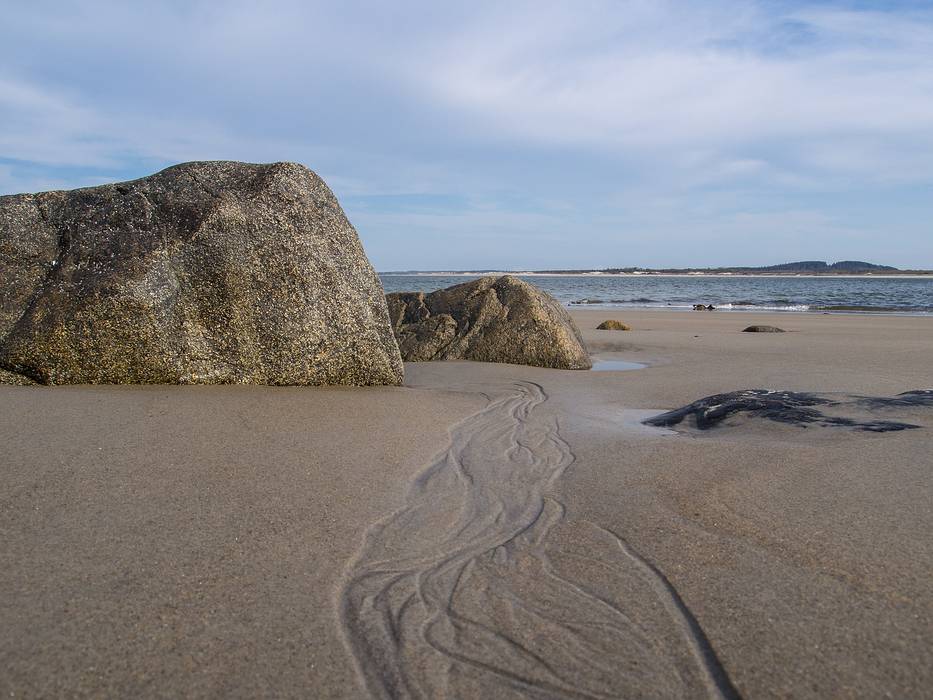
481, 587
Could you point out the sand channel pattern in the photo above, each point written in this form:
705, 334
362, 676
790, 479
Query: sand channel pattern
481, 586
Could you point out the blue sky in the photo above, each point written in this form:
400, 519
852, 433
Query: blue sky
508, 134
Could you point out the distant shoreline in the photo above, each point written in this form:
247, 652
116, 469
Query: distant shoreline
861, 293
907, 274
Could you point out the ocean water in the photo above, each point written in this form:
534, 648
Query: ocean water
906, 295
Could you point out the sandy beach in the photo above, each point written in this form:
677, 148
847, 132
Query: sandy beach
484, 531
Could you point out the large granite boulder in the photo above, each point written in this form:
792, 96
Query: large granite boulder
491, 319
215, 272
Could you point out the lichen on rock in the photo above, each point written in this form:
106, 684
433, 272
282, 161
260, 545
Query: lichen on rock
11, 378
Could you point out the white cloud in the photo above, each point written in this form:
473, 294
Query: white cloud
645, 81
656, 79
588, 123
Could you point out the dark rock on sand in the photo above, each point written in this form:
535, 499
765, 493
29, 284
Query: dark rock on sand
701, 307
613, 325
762, 329
215, 272
909, 399
491, 319
790, 407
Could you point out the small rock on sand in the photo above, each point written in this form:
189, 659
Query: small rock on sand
613, 325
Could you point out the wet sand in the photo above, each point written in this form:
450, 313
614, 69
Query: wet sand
186, 541
490, 530
803, 552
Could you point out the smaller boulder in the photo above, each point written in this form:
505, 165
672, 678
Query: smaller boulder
763, 329
613, 325
491, 319
700, 307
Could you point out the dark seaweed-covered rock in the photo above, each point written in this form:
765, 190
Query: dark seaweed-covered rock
215, 272
491, 319
763, 329
789, 407
909, 399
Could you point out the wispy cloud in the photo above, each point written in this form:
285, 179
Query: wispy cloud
639, 84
